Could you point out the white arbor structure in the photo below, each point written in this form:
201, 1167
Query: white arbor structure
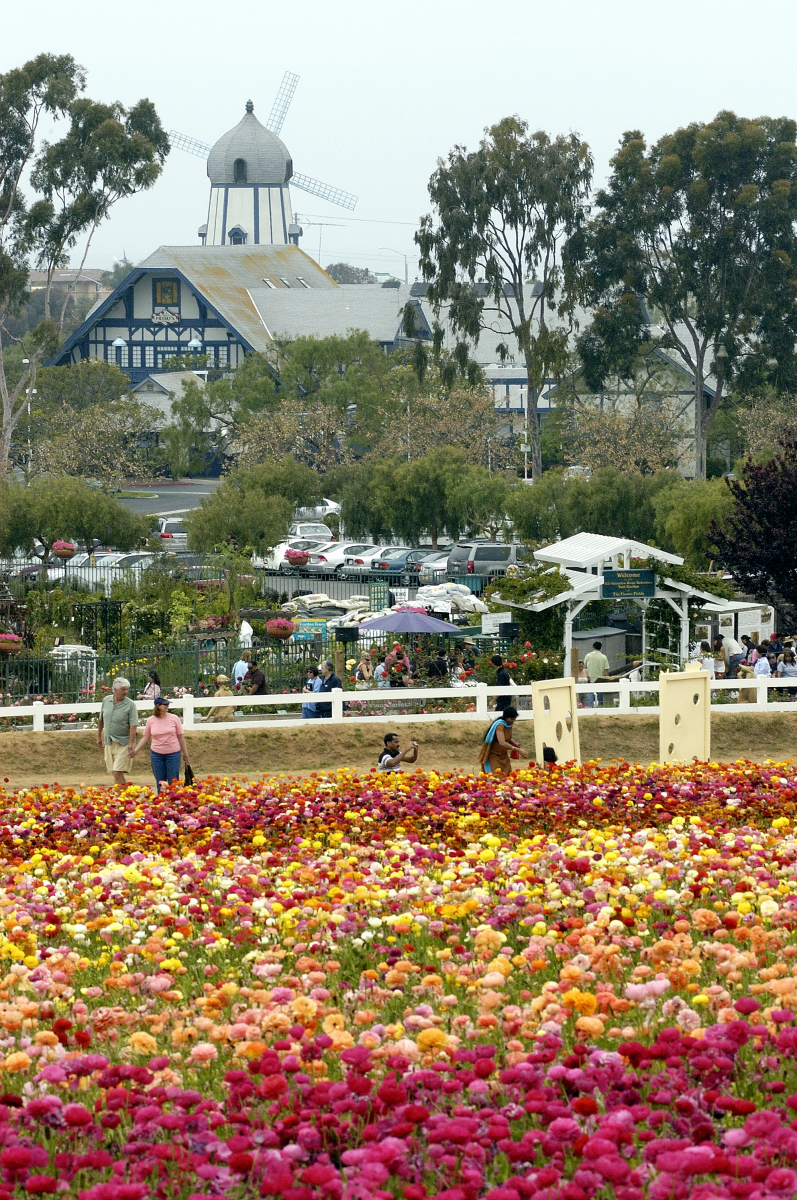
599, 568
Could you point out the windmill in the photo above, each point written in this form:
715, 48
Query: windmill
249, 170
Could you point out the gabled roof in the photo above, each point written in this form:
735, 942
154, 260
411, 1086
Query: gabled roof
168, 381
322, 313
587, 550
223, 277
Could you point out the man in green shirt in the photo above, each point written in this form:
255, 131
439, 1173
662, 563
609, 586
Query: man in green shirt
596, 664
116, 731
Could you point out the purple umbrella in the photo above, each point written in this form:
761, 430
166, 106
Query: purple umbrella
408, 621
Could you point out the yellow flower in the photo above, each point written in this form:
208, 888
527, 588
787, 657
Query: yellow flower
583, 1002
142, 1043
590, 1025
432, 1039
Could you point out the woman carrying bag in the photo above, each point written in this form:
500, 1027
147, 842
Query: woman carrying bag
498, 747
165, 731
363, 673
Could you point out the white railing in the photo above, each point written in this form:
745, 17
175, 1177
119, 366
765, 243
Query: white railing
617, 701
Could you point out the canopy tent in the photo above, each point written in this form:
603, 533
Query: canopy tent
586, 558
409, 621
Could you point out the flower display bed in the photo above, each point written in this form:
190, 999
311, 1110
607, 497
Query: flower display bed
566, 984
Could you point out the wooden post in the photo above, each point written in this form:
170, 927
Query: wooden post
574, 662
340, 660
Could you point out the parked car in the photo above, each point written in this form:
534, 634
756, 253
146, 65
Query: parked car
65, 569
434, 567
401, 564
173, 529
481, 557
312, 529
317, 512
365, 563
112, 567
331, 556
276, 560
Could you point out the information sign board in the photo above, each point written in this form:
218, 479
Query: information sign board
308, 630
378, 595
625, 585
492, 622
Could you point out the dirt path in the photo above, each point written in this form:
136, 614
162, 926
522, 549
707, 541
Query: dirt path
28, 759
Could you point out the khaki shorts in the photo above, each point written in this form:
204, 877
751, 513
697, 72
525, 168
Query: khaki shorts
117, 757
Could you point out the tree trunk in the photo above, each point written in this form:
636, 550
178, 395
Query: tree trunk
532, 428
700, 427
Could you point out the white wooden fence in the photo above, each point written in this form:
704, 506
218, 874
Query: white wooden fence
616, 702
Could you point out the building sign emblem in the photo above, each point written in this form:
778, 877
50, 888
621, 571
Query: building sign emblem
163, 316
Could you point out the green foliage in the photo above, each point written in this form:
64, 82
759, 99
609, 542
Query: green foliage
535, 582
62, 507
343, 272
504, 215
689, 575
105, 153
437, 495
69, 390
252, 507
684, 514
610, 502
701, 226
118, 274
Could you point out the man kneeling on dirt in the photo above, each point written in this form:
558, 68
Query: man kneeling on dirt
392, 756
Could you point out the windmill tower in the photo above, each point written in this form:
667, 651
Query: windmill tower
249, 168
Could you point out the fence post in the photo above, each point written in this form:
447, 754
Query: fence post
188, 712
38, 716
625, 695
481, 699
762, 696
336, 696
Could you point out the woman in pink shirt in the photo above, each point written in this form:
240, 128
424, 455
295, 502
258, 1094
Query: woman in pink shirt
165, 732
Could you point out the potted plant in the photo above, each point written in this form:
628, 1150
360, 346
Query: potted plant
63, 550
297, 558
10, 643
279, 628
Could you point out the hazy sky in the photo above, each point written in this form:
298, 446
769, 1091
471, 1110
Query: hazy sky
386, 89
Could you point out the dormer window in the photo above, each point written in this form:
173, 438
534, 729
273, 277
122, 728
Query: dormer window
237, 236
239, 170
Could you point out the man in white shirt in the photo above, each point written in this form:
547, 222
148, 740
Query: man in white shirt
596, 664
732, 652
762, 666
240, 670
245, 634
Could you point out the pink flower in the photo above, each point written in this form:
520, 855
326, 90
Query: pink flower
203, 1053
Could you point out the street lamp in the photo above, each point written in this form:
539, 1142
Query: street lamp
195, 345
401, 254
118, 344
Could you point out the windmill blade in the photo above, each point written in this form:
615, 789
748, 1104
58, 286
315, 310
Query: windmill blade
316, 188
181, 141
282, 102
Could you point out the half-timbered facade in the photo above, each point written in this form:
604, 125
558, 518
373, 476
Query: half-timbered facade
191, 300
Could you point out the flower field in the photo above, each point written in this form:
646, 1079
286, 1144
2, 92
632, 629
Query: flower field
570, 984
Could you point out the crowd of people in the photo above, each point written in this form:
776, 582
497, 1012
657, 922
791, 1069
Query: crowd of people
772, 657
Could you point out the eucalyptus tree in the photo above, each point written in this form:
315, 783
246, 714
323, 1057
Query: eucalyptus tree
494, 252
701, 228
53, 193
